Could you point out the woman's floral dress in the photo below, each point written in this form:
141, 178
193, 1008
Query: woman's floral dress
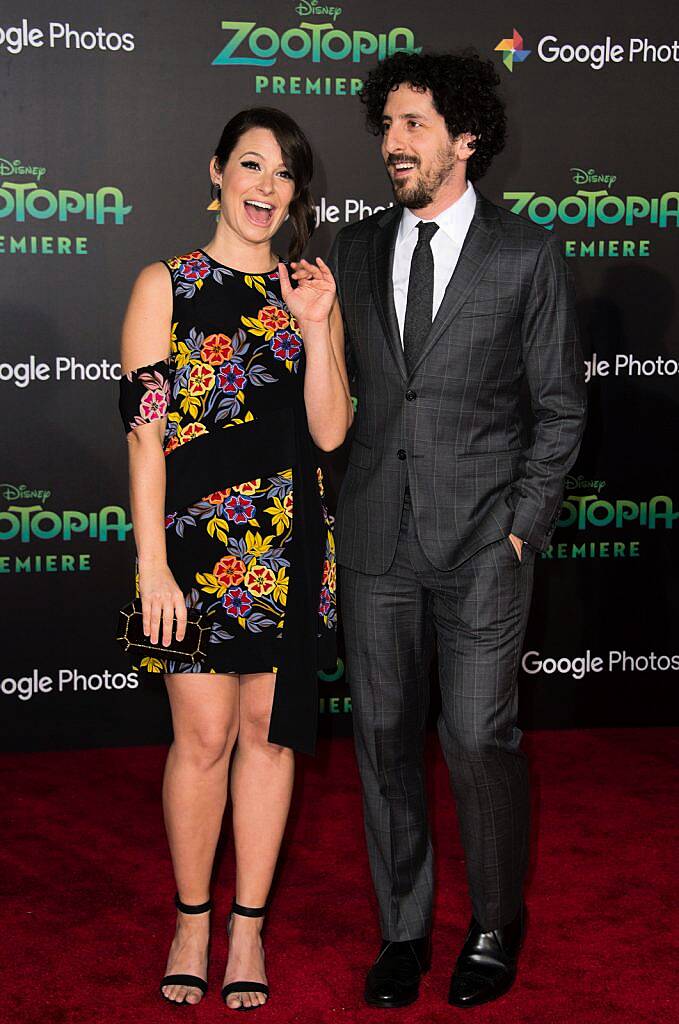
249, 539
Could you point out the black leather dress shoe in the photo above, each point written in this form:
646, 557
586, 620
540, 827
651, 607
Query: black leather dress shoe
486, 967
394, 978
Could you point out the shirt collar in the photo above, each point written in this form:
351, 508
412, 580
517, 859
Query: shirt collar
454, 220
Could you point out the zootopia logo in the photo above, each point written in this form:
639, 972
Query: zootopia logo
594, 207
583, 510
28, 200
17, 167
33, 522
306, 9
315, 41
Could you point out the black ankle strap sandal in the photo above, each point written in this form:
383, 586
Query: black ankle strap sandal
190, 980
238, 987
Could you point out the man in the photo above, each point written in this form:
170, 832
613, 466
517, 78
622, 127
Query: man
452, 308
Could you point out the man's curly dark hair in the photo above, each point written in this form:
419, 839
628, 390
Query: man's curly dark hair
464, 91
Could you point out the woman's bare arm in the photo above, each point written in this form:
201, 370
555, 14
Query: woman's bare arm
145, 340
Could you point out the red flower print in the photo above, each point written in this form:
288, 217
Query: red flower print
172, 444
153, 405
273, 318
260, 580
170, 519
326, 570
193, 430
217, 348
237, 602
231, 378
201, 379
249, 487
285, 345
326, 601
217, 497
230, 571
239, 509
195, 269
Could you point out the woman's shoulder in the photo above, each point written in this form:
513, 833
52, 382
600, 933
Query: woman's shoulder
152, 288
192, 259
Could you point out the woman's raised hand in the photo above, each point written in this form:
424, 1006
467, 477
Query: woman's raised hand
313, 298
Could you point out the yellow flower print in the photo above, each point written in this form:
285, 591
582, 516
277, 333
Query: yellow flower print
153, 664
201, 379
189, 404
259, 579
256, 544
255, 281
208, 582
182, 354
280, 591
280, 516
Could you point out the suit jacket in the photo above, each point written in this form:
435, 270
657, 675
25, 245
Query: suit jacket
452, 428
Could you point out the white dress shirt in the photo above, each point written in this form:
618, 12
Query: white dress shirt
445, 245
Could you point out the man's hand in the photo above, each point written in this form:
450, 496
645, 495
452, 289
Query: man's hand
518, 544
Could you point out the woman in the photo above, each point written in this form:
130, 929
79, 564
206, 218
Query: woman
230, 375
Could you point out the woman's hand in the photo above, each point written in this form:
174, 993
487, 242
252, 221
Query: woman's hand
162, 602
311, 301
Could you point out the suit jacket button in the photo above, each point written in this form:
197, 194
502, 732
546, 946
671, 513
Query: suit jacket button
411, 395
401, 454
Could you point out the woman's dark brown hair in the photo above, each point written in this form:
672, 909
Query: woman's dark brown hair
297, 157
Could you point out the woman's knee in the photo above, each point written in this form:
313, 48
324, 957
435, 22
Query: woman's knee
254, 727
253, 731
206, 745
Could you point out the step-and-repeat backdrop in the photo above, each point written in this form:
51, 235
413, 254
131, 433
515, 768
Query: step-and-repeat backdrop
110, 113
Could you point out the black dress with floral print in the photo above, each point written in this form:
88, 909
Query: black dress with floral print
249, 539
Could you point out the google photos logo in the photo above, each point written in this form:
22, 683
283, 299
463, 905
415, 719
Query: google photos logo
514, 52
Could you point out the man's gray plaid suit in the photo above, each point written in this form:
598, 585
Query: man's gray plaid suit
442, 469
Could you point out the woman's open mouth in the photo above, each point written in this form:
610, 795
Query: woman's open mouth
258, 212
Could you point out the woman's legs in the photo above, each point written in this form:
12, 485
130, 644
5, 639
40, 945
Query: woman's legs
205, 722
261, 788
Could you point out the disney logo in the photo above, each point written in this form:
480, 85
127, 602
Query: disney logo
576, 483
306, 8
14, 492
581, 177
13, 167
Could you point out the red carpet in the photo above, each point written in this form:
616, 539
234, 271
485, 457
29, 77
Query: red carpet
87, 909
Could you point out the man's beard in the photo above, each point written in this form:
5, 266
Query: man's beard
422, 192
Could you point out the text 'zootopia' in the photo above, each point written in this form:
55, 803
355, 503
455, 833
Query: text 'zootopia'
316, 42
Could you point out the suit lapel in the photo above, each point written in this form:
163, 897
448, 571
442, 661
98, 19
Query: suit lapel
483, 238
381, 262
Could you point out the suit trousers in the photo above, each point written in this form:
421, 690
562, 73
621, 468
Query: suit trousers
476, 614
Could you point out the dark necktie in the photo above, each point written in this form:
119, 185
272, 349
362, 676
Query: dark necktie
420, 300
